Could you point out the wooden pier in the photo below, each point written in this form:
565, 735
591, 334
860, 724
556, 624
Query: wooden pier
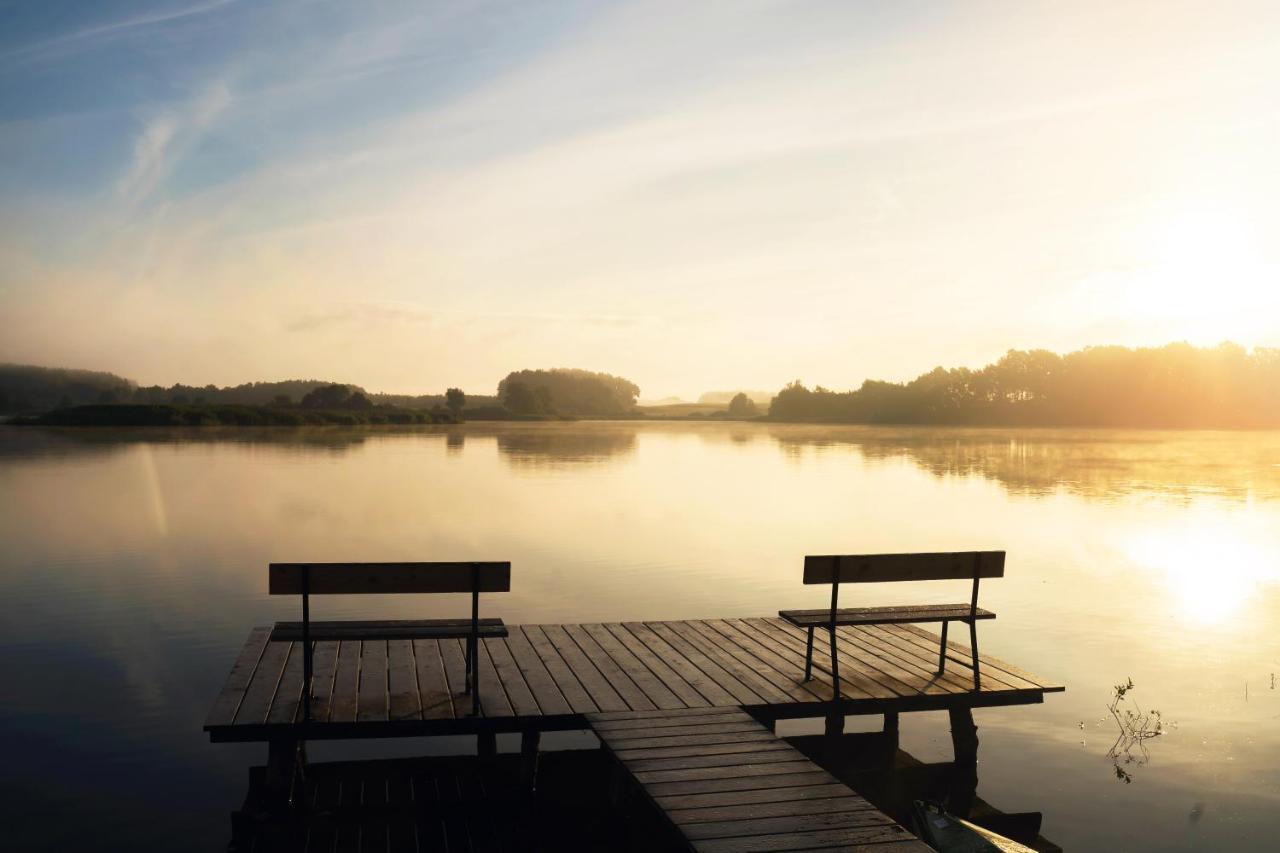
548, 677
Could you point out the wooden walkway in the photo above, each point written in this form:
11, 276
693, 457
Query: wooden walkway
546, 677
728, 784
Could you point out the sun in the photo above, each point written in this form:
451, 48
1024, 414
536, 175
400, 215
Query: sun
1204, 276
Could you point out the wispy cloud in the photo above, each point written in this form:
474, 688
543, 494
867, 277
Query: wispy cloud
166, 136
51, 47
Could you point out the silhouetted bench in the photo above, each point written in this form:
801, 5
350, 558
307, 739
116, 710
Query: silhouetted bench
882, 568
308, 579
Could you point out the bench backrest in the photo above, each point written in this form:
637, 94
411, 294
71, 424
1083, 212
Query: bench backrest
882, 568
365, 578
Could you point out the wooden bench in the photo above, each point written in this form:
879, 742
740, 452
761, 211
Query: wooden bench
308, 579
882, 568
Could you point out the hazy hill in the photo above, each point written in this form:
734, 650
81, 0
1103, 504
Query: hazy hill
27, 388
722, 398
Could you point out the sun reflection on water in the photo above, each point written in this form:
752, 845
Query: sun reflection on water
1212, 566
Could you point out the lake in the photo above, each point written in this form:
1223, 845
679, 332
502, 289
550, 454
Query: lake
132, 565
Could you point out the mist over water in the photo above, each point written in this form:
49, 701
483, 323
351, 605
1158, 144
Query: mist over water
134, 564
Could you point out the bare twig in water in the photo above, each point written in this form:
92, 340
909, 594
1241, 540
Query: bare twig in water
1135, 728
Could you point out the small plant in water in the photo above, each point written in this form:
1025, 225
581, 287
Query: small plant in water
1136, 727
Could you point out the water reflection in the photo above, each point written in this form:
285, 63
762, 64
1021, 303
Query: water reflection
1096, 464
557, 447
132, 565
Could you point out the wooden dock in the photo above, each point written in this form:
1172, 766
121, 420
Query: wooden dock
727, 784
549, 677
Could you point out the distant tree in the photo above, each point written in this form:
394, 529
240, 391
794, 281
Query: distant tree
64, 402
178, 399
358, 401
576, 392
107, 396
282, 401
519, 398
546, 400
742, 406
455, 400
327, 397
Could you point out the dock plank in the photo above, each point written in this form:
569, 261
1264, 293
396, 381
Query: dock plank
223, 712
669, 672
372, 693
262, 689
494, 699
719, 636
433, 689
346, 683
855, 684
742, 694
852, 671
285, 704
570, 687
551, 701
660, 695
403, 700
324, 662
1029, 681
523, 703
960, 676
602, 693
778, 663
619, 680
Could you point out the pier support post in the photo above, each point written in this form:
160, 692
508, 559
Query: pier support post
487, 744
835, 724
529, 741
891, 727
283, 755
964, 780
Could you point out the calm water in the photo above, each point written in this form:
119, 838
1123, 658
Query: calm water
133, 564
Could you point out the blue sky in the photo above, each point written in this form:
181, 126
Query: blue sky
695, 196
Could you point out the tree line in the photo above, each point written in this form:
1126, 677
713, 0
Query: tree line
26, 390
1174, 386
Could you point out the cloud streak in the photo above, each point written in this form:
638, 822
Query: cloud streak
52, 47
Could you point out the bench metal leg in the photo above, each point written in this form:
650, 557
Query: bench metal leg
468, 655
487, 744
808, 657
942, 650
835, 668
973, 644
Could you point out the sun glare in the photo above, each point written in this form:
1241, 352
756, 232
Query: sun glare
1209, 568
1206, 278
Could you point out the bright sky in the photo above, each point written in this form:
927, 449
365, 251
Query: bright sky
692, 195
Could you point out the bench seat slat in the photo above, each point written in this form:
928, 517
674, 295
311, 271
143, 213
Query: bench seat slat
399, 629
884, 615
